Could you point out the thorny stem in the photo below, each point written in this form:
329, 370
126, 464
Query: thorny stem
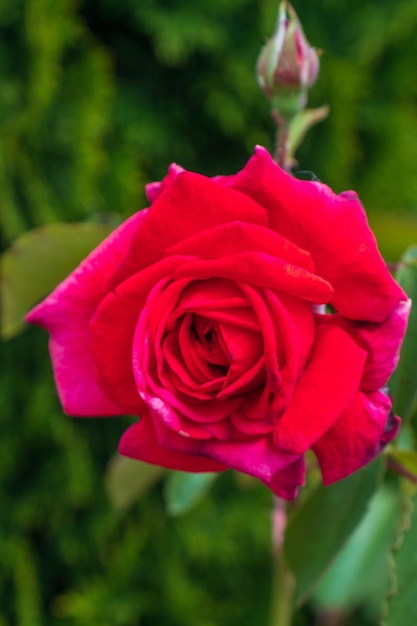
283, 582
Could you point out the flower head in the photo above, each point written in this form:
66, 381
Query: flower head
200, 316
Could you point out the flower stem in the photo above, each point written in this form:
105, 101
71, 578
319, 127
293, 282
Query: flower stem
283, 582
281, 154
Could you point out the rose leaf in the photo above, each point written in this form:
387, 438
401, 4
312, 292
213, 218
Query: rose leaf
127, 479
183, 490
402, 606
37, 262
323, 523
360, 573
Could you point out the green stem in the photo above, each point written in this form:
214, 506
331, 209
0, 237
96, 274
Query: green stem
282, 141
283, 582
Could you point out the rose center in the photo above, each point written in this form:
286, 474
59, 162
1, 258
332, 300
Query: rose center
210, 345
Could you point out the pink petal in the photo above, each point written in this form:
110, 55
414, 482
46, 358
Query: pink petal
333, 228
262, 270
190, 204
358, 436
323, 391
237, 237
140, 442
66, 313
381, 341
256, 456
153, 190
113, 327
173, 407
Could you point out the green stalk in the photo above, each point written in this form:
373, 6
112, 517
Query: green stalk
282, 141
282, 606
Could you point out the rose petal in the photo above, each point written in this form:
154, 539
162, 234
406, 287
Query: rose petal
262, 270
381, 341
153, 190
237, 237
291, 358
333, 228
192, 203
112, 330
66, 313
300, 315
257, 457
357, 437
172, 407
272, 344
140, 442
326, 387
214, 293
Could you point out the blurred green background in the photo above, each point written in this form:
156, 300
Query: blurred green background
97, 97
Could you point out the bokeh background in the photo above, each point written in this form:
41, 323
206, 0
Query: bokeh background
97, 97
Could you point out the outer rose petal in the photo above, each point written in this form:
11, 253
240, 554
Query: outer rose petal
190, 204
333, 228
381, 341
358, 436
140, 442
66, 313
153, 190
323, 391
257, 456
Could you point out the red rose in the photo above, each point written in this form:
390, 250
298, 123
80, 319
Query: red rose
202, 315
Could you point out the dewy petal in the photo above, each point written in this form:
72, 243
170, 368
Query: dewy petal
333, 228
66, 313
140, 442
326, 387
358, 436
261, 270
190, 204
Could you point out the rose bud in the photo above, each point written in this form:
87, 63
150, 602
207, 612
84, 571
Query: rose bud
200, 316
287, 65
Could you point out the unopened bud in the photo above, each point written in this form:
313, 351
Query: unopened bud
287, 65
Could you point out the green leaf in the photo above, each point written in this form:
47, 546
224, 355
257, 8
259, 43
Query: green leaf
37, 263
183, 490
303, 121
127, 479
361, 568
323, 523
403, 383
402, 607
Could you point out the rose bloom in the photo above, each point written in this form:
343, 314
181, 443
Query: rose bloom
204, 315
